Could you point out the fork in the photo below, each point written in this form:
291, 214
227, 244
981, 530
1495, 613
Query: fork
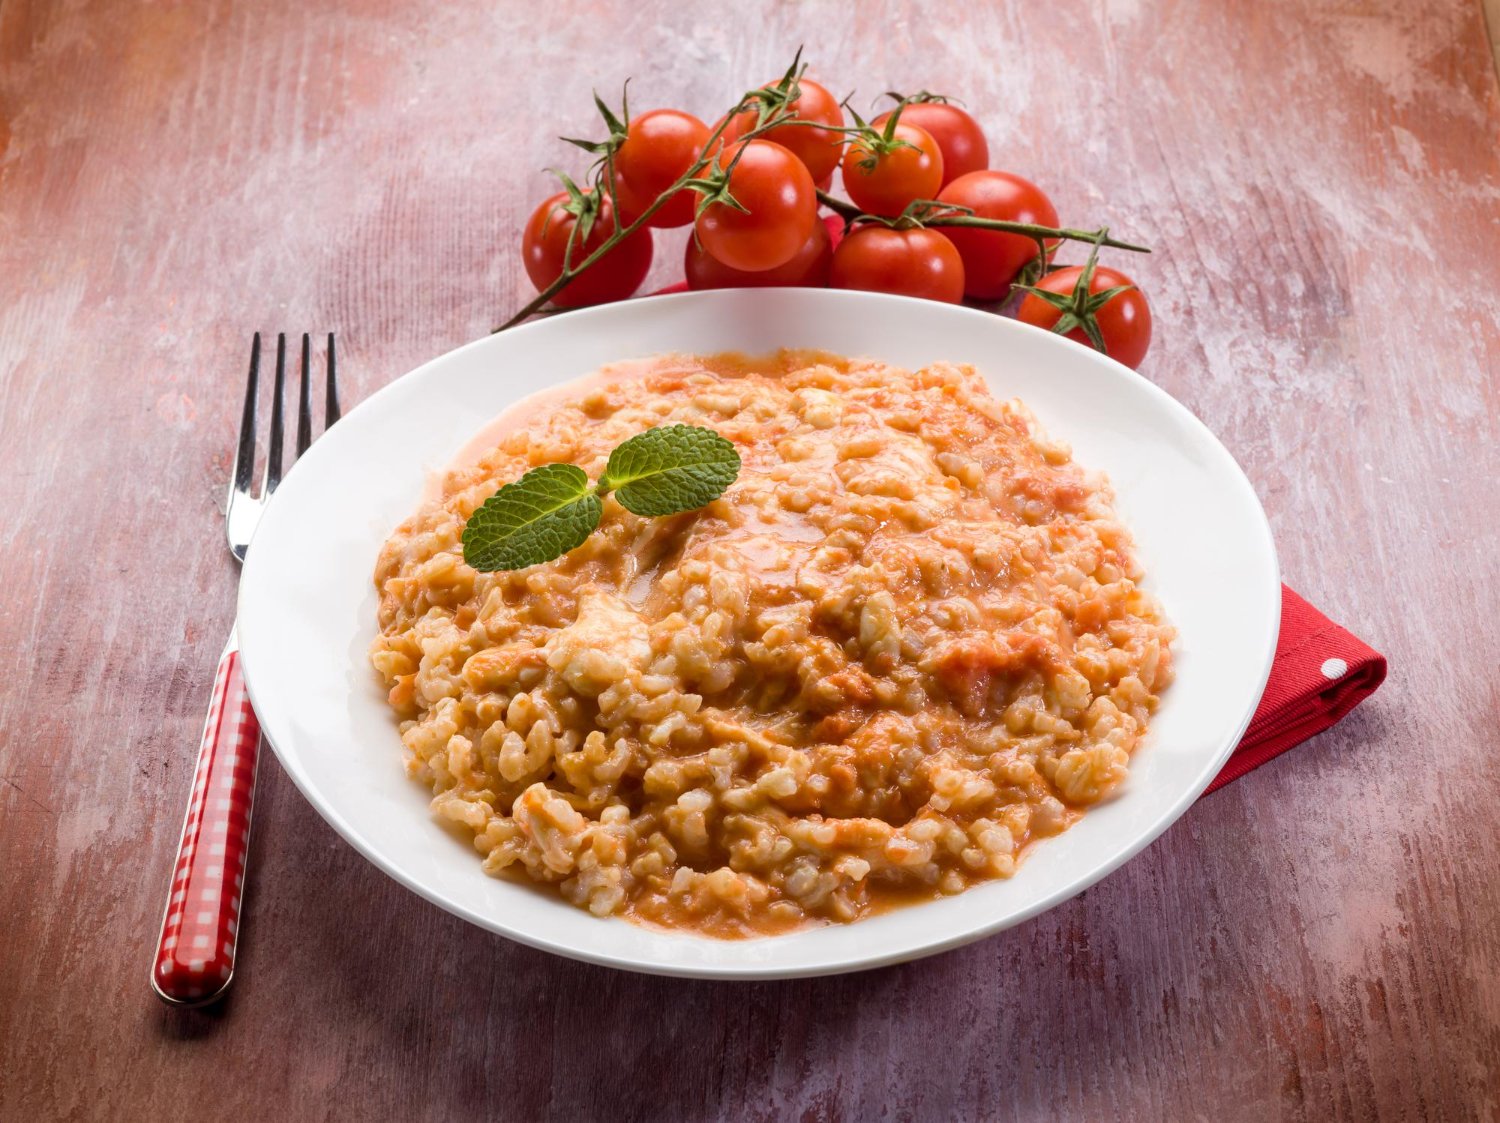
194, 961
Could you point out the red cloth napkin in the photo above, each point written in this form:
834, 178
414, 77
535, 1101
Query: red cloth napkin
1320, 673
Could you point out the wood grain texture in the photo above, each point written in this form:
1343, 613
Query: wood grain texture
1492, 22
1321, 940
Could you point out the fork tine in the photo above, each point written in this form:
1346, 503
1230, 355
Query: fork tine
304, 399
244, 462
331, 404
273, 453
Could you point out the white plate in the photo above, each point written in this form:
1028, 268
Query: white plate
307, 604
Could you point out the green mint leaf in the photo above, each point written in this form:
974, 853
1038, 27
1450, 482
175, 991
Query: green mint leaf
671, 469
547, 512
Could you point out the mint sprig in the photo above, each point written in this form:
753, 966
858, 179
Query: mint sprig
552, 509
669, 470
547, 512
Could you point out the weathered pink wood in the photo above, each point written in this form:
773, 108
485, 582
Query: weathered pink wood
1322, 183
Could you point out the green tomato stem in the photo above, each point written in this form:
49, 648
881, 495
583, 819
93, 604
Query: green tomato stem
850, 212
1032, 230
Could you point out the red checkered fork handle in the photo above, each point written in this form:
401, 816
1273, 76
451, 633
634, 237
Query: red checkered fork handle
195, 955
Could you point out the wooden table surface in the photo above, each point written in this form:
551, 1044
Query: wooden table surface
1321, 181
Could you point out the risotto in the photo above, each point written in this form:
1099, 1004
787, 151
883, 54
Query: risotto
905, 644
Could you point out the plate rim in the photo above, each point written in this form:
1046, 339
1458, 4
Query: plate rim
752, 971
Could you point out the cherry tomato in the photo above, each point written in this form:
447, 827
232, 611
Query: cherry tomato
659, 146
958, 136
544, 245
807, 268
781, 208
1124, 320
824, 184
817, 148
992, 258
883, 180
916, 262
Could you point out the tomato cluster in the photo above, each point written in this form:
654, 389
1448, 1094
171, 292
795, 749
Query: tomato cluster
926, 216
